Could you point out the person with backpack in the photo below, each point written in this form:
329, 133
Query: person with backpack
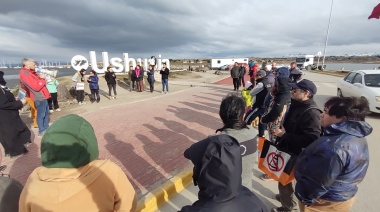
300, 128
260, 91
110, 77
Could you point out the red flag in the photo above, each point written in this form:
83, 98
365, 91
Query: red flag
375, 13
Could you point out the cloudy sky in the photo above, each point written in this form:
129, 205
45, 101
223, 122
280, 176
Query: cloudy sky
58, 30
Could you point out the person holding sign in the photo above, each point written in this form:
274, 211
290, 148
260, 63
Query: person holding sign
78, 80
13, 131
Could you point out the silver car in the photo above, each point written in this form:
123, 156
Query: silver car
362, 83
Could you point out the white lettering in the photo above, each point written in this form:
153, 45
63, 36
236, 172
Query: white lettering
79, 62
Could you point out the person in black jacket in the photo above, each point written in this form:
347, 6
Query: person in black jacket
301, 127
217, 173
242, 72
111, 82
258, 108
150, 78
13, 131
164, 78
132, 78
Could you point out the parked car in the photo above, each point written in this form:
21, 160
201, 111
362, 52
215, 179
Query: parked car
224, 67
362, 83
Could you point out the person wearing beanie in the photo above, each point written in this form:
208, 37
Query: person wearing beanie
13, 131
71, 177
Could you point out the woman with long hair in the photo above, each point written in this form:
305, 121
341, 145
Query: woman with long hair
231, 112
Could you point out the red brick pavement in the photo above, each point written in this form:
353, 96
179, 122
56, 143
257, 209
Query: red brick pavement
145, 138
228, 80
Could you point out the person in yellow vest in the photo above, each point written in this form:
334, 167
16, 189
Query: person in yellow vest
245, 93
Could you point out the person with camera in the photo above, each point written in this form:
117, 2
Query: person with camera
35, 87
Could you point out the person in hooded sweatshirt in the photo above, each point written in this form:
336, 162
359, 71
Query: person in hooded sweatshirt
217, 172
341, 156
278, 106
71, 177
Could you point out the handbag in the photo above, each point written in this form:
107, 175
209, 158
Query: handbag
277, 164
79, 86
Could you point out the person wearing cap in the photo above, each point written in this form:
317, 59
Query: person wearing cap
71, 177
296, 75
217, 173
258, 108
13, 131
300, 128
165, 78
245, 93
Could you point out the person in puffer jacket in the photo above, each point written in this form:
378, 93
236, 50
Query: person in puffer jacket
279, 103
93, 81
341, 156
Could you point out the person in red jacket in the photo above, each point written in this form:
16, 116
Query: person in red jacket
35, 87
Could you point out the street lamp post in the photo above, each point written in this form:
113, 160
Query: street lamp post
327, 35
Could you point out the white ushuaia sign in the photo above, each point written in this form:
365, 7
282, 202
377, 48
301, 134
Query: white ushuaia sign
120, 65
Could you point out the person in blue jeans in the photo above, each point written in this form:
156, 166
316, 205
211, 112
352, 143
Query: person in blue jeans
94, 86
164, 78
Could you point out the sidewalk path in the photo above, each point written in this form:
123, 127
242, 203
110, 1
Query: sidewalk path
146, 138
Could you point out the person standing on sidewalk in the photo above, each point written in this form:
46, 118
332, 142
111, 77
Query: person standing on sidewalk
341, 156
150, 78
258, 108
218, 174
139, 78
35, 87
13, 131
93, 82
242, 73
301, 127
165, 78
78, 80
235, 75
132, 78
110, 77
53, 100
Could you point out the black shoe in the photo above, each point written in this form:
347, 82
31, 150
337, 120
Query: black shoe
98, 100
277, 197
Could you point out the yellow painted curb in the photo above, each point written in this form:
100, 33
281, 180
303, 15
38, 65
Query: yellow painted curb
159, 196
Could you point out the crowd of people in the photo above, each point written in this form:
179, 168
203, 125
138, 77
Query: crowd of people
72, 178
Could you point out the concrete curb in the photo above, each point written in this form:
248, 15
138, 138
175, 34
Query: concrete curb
152, 201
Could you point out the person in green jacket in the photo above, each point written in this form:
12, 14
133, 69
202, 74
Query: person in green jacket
245, 93
53, 100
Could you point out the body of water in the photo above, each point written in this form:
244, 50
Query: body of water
11, 75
